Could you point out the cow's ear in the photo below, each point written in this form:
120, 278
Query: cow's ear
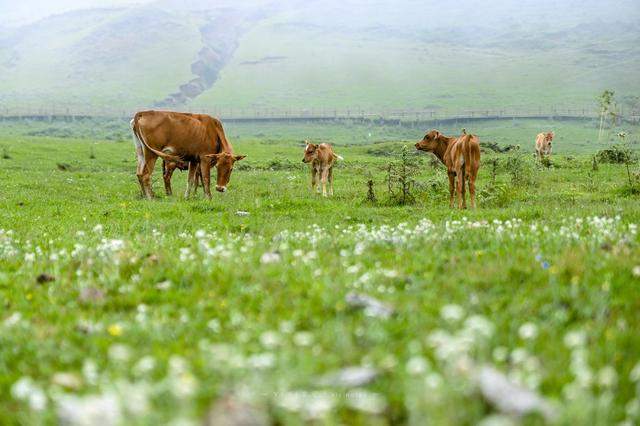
436, 134
216, 156
239, 157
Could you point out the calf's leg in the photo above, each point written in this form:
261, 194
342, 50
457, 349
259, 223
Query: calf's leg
167, 172
314, 178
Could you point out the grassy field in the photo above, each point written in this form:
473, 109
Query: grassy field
120, 310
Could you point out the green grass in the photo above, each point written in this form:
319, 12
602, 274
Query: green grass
190, 310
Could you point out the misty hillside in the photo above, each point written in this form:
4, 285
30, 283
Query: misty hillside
317, 54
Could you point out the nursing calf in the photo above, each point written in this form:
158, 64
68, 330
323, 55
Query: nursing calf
168, 167
461, 156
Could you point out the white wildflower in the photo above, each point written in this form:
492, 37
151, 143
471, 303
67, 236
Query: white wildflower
479, 326
90, 410
145, 365
262, 361
214, 325
500, 354
164, 285
119, 353
368, 402
13, 319
452, 313
303, 338
270, 339
607, 377
575, 339
634, 375
417, 365
433, 381
270, 257
528, 331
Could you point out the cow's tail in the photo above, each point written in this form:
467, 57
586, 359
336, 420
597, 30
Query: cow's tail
471, 154
139, 141
338, 157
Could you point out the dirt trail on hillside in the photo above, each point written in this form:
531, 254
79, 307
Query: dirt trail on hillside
220, 37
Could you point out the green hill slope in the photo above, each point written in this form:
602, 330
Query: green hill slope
98, 58
342, 55
429, 56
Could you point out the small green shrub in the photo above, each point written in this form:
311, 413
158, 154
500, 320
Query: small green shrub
617, 154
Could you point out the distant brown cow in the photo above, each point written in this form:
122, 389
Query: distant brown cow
461, 155
322, 159
543, 144
196, 139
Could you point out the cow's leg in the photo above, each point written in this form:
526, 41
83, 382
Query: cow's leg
461, 189
331, 181
324, 174
140, 167
205, 169
452, 187
167, 172
191, 180
149, 163
198, 180
473, 173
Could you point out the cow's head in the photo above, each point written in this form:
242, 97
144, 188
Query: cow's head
549, 137
224, 164
429, 142
310, 152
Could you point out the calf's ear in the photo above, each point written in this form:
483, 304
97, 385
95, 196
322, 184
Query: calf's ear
239, 157
216, 156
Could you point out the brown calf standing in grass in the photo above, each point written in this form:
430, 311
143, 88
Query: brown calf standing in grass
168, 167
322, 159
461, 155
543, 144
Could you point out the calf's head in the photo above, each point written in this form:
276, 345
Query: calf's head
224, 164
310, 152
549, 137
430, 141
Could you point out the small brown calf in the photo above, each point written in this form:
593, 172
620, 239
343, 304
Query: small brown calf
168, 167
461, 155
322, 158
543, 144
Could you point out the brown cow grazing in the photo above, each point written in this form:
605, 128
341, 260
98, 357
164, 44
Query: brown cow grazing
461, 155
322, 159
168, 167
180, 137
543, 144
